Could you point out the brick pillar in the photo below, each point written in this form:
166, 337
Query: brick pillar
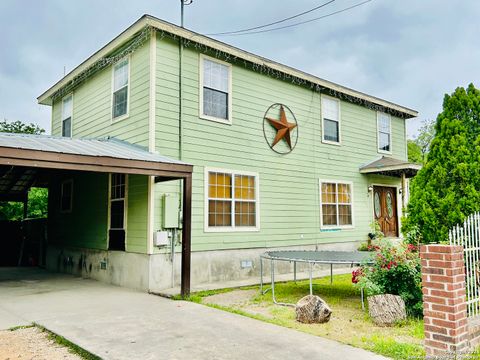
444, 300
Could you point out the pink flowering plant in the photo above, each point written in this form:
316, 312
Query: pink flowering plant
395, 270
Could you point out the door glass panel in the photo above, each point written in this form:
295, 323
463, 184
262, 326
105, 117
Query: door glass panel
378, 210
389, 205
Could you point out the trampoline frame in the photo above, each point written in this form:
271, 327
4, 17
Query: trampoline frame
311, 262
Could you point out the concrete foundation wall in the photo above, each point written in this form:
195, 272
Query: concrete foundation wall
113, 267
226, 265
154, 272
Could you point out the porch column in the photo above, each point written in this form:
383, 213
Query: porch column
404, 188
187, 235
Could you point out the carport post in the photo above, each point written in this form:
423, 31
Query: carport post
187, 234
25, 206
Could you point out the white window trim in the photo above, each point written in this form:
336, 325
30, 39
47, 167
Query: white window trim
339, 143
333, 227
125, 210
69, 210
378, 134
126, 115
257, 202
200, 100
71, 116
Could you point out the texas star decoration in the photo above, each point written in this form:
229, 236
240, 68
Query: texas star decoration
283, 127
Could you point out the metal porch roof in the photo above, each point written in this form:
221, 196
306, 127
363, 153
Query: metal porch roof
104, 147
391, 167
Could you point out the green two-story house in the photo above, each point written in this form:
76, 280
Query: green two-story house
281, 159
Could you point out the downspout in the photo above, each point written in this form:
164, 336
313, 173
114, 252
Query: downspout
180, 139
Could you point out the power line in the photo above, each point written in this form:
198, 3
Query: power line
299, 23
275, 22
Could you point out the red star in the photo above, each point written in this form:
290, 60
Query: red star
283, 127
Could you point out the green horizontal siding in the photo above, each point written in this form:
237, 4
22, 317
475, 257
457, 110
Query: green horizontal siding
137, 213
92, 102
86, 225
289, 184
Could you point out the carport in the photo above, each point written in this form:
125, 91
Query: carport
32, 160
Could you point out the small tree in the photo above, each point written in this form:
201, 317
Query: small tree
19, 127
419, 147
447, 188
37, 197
414, 152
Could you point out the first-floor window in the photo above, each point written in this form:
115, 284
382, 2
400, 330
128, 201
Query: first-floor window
336, 204
232, 200
117, 212
66, 196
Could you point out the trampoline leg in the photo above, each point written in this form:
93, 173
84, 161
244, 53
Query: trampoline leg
311, 267
261, 275
331, 274
272, 275
361, 294
294, 271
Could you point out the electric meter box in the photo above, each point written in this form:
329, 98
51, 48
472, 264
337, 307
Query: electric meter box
171, 205
160, 238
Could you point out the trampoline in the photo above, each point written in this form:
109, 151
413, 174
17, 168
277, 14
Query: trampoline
310, 257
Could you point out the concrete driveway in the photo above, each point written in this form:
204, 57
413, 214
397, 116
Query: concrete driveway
118, 323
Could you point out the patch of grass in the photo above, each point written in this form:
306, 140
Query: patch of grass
348, 323
391, 348
21, 327
73, 348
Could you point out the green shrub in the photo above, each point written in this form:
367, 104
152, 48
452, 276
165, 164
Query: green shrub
395, 270
447, 188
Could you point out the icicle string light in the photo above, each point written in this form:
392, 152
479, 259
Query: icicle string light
265, 69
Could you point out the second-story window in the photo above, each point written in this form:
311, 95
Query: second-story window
215, 90
67, 110
120, 89
384, 132
330, 120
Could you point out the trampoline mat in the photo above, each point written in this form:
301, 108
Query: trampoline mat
339, 257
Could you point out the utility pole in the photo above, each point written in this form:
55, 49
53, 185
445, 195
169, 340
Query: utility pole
183, 3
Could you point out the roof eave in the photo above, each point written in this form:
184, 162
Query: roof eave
45, 98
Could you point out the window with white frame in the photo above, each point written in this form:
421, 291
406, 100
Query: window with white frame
120, 89
66, 196
330, 120
384, 126
215, 89
67, 110
117, 211
336, 204
232, 200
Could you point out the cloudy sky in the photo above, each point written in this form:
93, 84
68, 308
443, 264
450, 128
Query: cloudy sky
410, 52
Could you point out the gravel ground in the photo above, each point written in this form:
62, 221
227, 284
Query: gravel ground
31, 343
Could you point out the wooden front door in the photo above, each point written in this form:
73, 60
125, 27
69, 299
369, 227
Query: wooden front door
385, 209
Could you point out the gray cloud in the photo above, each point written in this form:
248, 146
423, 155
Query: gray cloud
410, 52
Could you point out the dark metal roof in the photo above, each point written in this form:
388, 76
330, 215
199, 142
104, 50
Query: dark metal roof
105, 147
391, 167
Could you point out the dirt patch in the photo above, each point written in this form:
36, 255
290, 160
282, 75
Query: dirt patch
31, 343
239, 299
231, 298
